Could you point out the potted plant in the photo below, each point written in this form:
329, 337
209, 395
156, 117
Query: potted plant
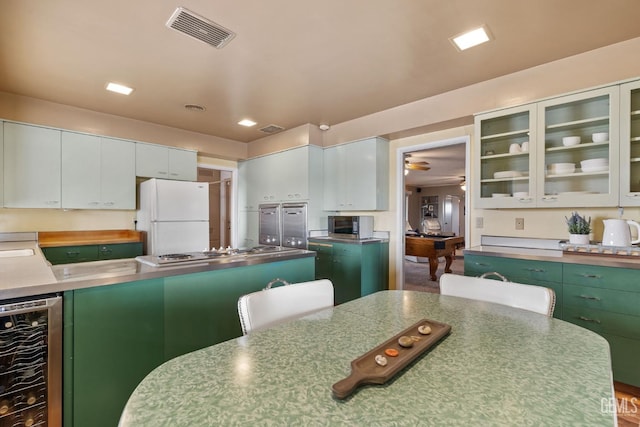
579, 229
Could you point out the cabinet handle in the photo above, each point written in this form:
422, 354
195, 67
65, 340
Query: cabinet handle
586, 319
109, 203
589, 297
162, 173
481, 264
535, 270
94, 203
591, 276
51, 202
549, 198
632, 195
70, 253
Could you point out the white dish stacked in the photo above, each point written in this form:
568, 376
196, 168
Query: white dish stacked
561, 168
501, 195
595, 165
507, 174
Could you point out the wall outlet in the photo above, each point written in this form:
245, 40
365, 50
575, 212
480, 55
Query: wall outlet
519, 223
479, 222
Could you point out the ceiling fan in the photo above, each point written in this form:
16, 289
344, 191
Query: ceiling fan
415, 165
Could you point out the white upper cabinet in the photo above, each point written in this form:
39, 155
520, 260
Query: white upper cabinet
630, 144
551, 172
506, 149
31, 166
97, 172
158, 161
356, 176
183, 164
287, 176
585, 174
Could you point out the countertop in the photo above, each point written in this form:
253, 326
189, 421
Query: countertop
499, 366
556, 255
324, 239
32, 275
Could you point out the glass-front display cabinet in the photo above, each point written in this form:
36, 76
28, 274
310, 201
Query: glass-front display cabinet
630, 144
578, 149
505, 147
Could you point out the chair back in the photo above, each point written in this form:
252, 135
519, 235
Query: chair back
527, 297
270, 306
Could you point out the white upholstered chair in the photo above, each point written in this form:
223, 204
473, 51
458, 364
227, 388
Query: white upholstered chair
527, 297
273, 305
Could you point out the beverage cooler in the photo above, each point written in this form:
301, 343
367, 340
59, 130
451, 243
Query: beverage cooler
30, 362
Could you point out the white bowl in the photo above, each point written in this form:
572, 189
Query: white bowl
501, 195
506, 174
568, 141
521, 194
594, 165
561, 168
600, 137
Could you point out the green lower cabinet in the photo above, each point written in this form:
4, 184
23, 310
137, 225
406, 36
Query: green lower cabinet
86, 253
201, 309
71, 254
113, 338
115, 335
602, 299
540, 273
354, 269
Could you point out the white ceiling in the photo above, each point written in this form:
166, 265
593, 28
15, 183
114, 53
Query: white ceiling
447, 166
292, 61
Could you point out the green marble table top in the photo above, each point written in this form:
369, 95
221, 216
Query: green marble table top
499, 366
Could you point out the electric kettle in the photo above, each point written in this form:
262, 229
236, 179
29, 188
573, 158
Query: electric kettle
617, 232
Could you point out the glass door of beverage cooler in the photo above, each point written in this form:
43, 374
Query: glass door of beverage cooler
30, 362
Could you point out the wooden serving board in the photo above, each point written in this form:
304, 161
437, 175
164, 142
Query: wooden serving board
365, 369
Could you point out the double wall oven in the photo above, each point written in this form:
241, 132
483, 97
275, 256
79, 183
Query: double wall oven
283, 225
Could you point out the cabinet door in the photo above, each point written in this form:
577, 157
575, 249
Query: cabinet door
580, 115
505, 147
333, 175
630, 144
356, 176
183, 164
32, 166
346, 272
80, 171
117, 174
71, 254
152, 161
292, 169
115, 338
120, 250
324, 259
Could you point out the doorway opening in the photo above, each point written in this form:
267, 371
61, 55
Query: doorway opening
220, 205
431, 199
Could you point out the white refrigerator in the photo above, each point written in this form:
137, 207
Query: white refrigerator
174, 215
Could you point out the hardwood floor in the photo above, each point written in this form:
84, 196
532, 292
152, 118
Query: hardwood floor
627, 396
628, 401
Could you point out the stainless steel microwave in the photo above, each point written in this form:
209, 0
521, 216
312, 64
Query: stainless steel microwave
351, 226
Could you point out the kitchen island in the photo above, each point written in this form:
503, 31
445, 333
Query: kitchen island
499, 366
123, 318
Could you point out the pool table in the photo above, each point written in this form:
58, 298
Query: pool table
433, 247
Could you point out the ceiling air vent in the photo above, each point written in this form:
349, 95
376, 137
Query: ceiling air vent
200, 28
271, 129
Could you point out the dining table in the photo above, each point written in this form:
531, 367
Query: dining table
498, 365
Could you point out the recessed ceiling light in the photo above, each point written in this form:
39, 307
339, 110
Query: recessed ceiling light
118, 88
471, 38
246, 122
